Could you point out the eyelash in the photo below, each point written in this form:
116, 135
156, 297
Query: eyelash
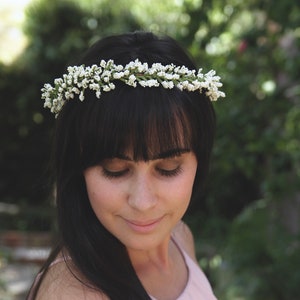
166, 173
109, 174
170, 173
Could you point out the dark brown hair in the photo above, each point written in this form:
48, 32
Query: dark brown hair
145, 120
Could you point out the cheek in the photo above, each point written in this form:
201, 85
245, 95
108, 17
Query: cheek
181, 191
185, 186
102, 196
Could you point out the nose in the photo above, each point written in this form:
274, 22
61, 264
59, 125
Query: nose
142, 194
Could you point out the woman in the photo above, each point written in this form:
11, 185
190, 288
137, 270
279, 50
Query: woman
133, 141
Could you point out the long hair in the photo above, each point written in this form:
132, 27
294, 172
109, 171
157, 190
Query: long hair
147, 121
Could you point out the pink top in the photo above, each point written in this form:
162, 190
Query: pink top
197, 287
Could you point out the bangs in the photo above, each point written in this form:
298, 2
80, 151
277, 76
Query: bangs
143, 123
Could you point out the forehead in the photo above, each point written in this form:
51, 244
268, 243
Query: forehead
148, 143
143, 125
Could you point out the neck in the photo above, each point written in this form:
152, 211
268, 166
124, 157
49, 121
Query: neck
158, 258
162, 270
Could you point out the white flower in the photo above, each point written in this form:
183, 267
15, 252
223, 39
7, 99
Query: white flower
111, 86
180, 86
81, 96
150, 83
143, 83
167, 84
131, 80
119, 68
102, 63
118, 75
97, 78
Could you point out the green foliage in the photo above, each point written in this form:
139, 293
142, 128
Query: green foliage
257, 151
261, 260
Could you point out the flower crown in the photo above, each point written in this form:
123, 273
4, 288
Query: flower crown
100, 79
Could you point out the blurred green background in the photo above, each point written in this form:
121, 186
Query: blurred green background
247, 222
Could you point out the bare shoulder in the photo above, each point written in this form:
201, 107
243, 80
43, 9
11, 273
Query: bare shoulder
60, 283
184, 237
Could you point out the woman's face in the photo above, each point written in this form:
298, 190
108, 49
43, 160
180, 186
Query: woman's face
141, 202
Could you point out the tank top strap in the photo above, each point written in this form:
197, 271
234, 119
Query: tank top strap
198, 286
59, 259
56, 261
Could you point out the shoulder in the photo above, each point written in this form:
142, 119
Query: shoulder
185, 239
61, 283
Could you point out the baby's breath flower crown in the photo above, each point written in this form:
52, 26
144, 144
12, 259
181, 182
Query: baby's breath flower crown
100, 79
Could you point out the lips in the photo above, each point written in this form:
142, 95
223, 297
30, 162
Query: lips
143, 226
144, 223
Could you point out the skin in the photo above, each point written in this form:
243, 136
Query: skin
59, 283
142, 204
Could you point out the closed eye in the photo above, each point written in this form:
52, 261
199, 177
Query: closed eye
169, 173
114, 174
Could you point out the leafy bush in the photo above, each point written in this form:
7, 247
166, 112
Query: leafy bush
261, 259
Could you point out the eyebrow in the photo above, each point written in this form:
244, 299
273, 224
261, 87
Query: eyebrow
167, 154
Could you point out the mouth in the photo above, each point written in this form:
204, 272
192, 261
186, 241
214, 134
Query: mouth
143, 226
